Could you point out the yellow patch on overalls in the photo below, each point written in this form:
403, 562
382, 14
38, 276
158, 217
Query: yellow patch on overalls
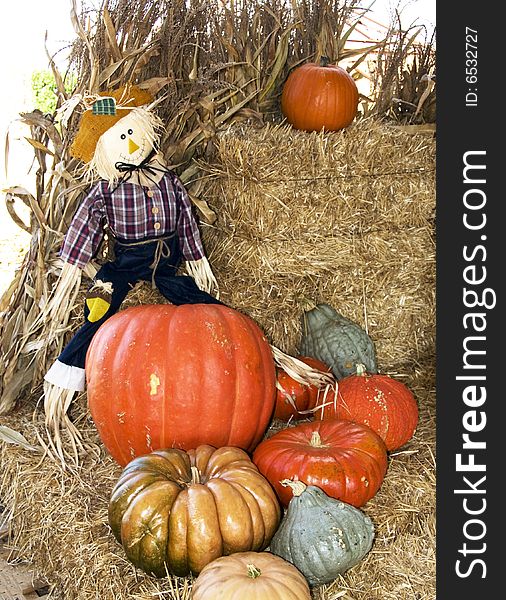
98, 307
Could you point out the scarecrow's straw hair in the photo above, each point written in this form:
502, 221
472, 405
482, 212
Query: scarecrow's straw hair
101, 165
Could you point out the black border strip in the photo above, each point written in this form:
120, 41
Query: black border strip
470, 322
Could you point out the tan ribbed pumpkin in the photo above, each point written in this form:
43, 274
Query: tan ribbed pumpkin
177, 511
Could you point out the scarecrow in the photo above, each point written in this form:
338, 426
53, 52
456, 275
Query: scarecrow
143, 211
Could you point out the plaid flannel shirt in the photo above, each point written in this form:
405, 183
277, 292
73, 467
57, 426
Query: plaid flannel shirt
133, 213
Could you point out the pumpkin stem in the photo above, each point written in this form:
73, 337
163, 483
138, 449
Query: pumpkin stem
297, 486
253, 571
195, 475
324, 61
361, 370
316, 440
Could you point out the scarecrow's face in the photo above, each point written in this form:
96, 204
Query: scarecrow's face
128, 140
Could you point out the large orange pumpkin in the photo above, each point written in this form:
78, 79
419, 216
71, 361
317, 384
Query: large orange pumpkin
294, 399
379, 401
162, 376
347, 460
178, 511
319, 96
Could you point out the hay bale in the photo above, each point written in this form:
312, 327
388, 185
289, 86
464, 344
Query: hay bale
344, 218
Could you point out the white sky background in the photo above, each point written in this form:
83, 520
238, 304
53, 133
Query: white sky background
23, 24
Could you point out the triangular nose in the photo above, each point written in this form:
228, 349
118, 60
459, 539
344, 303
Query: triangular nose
132, 146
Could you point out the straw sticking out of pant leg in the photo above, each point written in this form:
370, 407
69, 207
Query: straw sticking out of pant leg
57, 402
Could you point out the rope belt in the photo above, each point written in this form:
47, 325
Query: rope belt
162, 250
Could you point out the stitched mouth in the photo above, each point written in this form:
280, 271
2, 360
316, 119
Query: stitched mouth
132, 158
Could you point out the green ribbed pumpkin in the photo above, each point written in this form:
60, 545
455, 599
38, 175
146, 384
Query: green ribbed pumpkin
337, 341
321, 536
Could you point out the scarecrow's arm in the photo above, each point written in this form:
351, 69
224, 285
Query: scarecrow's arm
191, 245
187, 229
204, 277
86, 230
80, 244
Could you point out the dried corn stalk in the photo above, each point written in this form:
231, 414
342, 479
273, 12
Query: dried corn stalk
404, 79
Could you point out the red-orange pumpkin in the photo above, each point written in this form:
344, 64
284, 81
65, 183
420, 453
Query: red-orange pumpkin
293, 398
347, 460
162, 376
379, 401
319, 96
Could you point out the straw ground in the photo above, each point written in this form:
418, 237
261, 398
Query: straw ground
59, 521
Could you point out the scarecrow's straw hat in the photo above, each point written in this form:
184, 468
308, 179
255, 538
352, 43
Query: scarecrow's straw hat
104, 114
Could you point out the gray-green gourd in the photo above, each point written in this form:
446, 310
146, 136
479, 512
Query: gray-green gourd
337, 341
321, 536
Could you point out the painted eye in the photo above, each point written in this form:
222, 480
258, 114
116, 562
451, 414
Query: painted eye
130, 131
123, 136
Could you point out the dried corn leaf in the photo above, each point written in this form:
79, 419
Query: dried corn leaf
362, 53
343, 38
109, 71
56, 73
208, 214
155, 84
12, 329
278, 66
18, 376
39, 146
78, 28
14, 437
37, 119
111, 35
9, 203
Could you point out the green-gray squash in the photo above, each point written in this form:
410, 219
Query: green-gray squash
321, 536
337, 341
